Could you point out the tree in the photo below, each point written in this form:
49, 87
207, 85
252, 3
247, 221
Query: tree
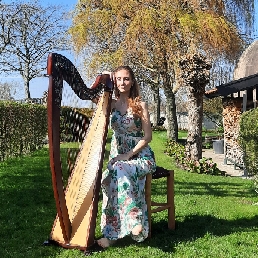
8, 90
7, 25
213, 109
108, 30
220, 37
164, 37
38, 30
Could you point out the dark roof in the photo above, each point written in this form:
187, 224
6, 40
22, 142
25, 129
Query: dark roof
233, 86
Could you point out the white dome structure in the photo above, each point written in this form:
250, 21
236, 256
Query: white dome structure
248, 62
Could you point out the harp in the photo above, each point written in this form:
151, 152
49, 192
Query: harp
76, 204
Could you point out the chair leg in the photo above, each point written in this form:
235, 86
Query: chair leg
148, 199
170, 200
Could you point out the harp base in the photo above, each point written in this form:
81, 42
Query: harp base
67, 246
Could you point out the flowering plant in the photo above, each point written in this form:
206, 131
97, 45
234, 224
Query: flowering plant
202, 166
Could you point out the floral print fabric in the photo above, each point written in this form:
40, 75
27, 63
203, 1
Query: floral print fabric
123, 184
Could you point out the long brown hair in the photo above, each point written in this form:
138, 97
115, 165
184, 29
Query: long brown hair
134, 100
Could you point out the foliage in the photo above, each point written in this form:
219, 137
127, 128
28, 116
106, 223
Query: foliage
7, 27
164, 27
195, 71
202, 166
23, 128
116, 31
220, 131
86, 111
152, 36
207, 145
215, 216
248, 140
213, 108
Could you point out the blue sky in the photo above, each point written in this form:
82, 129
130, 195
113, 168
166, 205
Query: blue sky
39, 85
68, 3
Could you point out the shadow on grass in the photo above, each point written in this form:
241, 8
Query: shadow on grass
220, 189
28, 210
192, 228
27, 206
215, 186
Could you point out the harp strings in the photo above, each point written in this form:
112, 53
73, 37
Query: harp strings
73, 127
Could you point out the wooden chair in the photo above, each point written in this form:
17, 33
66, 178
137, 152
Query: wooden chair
169, 205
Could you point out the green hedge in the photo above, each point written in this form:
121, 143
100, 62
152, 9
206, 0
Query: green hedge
23, 128
248, 140
72, 119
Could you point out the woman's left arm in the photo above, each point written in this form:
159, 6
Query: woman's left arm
146, 126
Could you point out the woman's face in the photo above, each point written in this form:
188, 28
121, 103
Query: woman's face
124, 81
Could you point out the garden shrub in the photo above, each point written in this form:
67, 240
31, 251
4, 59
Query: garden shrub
203, 166
159, 128
248, 140
23, 128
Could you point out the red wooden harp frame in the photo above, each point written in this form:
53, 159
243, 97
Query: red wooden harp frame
77, 203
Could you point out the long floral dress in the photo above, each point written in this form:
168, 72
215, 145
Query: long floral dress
123, 184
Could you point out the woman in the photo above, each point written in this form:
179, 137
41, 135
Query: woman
124, 209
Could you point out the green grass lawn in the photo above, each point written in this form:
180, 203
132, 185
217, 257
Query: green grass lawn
215, 216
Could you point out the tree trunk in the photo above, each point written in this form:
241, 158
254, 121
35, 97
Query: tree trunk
27, 89
25, 76
195, 117
156, 106
195, 73
172, 128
